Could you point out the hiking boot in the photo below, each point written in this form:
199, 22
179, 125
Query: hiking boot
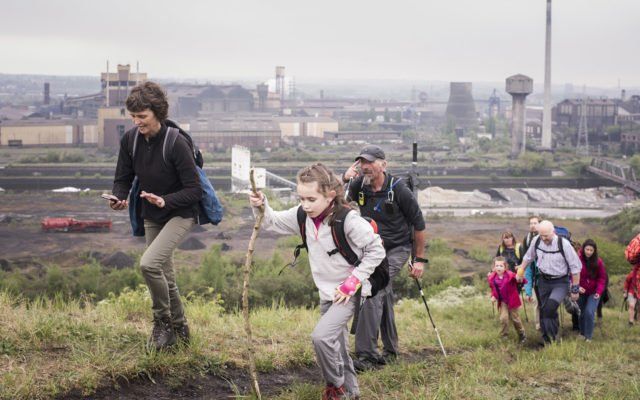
162, 335
522, 337
364, 364
182, 333
387, 358
331, 392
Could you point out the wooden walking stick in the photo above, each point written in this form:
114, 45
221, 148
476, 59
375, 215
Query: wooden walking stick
245, 292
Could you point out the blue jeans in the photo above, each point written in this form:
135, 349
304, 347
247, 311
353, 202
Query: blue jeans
588, 306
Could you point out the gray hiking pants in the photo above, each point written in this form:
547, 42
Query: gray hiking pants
157, 269
330, 340
377, 313
552, 293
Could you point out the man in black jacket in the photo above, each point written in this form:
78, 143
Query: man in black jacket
387, 200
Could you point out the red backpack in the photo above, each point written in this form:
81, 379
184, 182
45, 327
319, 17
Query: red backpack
632, 252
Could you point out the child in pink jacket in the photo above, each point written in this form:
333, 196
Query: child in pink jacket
504, 290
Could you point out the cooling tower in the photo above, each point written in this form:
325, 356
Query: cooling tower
461, 106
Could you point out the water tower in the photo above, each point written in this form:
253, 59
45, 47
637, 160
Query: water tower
519, 87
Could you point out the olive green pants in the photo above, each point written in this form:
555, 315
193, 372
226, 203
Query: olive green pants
157, 269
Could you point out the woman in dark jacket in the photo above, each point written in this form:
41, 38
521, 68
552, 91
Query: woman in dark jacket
511, 250
592, 284
170, 193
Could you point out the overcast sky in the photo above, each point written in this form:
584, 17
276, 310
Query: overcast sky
595, 42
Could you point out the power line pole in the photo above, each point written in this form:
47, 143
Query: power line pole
583, 131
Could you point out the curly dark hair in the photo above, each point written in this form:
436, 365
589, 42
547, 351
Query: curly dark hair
149, 95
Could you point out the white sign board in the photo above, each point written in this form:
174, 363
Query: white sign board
260, 176
240, 167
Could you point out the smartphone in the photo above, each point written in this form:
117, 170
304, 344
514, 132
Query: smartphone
110, 197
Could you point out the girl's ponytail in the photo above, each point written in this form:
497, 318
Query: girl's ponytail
327, 182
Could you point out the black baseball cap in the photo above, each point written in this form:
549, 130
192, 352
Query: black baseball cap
371, 153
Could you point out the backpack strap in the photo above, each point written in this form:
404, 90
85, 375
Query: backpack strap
302, 222
133, 143
560, 250
337, 233
340, 239
169, 142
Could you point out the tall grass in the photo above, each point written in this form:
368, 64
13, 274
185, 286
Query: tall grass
51, 346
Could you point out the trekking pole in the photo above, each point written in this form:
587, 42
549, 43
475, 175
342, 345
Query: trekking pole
245, 292
524, 306
424, 300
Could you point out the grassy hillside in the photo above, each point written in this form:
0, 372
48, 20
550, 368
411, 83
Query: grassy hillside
52, 347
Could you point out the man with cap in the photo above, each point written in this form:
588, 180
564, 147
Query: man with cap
559, 267
389, 201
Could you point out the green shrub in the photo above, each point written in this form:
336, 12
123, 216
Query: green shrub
480, 254
612, 255
625, 224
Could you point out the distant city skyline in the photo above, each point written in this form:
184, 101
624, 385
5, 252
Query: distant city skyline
594, 41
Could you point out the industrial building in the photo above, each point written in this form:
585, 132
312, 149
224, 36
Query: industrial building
72, 132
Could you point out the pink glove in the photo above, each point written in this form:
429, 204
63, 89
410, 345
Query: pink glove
346, 289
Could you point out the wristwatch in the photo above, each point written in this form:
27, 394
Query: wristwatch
420, 259
574, 289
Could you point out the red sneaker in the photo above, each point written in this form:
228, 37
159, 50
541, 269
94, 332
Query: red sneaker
331, 392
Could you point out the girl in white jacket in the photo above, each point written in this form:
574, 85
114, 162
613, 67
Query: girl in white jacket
321, 194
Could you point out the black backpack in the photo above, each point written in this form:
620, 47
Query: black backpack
380, 276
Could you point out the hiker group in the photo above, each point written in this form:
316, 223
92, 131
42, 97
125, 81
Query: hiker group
550, 269
360, 229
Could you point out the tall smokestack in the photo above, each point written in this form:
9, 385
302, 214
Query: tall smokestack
107, 87
47, 98
280, 81
263, 92
546, 115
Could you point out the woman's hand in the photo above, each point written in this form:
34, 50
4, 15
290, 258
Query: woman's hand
153, 199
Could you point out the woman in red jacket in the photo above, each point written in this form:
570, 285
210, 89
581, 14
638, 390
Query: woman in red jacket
593, 278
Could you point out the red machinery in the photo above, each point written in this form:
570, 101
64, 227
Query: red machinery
75, 225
